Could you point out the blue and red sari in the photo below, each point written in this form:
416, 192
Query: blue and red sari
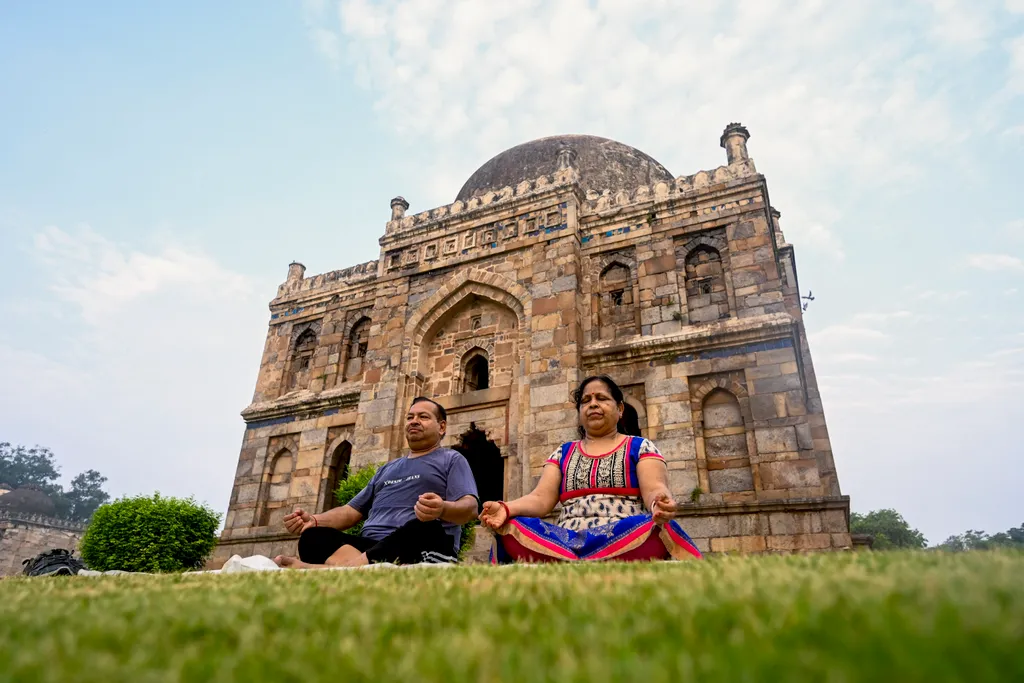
603, 515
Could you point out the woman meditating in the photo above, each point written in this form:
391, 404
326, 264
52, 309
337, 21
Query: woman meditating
614, 492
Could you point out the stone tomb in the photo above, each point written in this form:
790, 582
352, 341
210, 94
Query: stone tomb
559, 258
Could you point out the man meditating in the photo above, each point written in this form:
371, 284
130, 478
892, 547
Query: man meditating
414, 506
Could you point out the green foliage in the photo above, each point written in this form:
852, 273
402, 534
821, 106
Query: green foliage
851, 617
695, 494
351, 485
357, 481
37, 467
149, 534
888, 529
973, 539
22, 467
86, 495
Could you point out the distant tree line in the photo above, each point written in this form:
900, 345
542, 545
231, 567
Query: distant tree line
888, 529
36, 468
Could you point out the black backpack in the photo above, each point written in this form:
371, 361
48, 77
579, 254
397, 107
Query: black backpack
56, 562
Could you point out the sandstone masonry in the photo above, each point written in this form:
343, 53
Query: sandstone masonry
681, 288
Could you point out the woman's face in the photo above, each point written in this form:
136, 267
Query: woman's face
599, 413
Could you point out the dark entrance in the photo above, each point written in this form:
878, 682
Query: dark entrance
337, 473
485, 460
629, 423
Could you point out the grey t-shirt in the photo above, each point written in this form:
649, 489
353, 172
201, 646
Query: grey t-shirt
388, 500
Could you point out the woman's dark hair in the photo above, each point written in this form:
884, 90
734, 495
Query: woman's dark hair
613, 389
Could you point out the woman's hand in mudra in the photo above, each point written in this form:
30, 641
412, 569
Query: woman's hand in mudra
663, 508
493, 514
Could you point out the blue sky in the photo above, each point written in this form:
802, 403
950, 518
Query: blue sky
161, 165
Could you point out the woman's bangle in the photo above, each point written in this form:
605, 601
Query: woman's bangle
315, 522
508, 514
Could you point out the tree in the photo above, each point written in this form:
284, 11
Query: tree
21, 467
86, 494
37, 468
972, 539
887, 528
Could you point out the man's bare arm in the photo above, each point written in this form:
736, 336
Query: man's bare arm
340, 518
460, 511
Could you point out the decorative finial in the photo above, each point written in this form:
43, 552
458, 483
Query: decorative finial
734, 140
296, 271
398, 208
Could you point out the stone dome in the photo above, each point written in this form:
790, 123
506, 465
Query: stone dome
602, 164
28, 500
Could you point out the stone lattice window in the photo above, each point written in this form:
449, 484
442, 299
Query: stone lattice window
616, 316
476, 373
706, 295
302, 358
358, 343
725, 444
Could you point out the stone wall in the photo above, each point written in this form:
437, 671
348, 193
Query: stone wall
23, 536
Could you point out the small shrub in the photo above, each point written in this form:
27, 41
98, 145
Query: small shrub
357, 481
352, 485
149, 534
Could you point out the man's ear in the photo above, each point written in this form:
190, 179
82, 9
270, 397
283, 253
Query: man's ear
442, 425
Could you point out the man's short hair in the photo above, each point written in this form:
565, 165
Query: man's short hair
442, 414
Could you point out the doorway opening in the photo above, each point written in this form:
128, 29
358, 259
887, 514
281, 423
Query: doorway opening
485, 461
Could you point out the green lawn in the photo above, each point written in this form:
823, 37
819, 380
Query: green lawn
839, 617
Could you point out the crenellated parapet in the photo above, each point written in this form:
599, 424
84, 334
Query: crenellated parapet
683, 187
42, 521
296, 283
527, 189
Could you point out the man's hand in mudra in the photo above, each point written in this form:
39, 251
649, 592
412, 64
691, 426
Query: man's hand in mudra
429, 507
298, 521
493, 515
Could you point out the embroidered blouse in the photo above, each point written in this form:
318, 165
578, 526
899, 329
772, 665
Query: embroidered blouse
600, 489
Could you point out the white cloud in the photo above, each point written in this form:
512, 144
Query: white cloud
134, 377
100, 277
995, 262
1015, 68
960, 23
328, 45
513, 72
1015, 6
1010, 292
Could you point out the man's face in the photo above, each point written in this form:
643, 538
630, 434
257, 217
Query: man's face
422, 428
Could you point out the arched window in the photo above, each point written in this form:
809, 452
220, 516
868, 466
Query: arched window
277, 485
725, 444
358, 343
302, 358
336, 473
616, 317
706, 295
476, 372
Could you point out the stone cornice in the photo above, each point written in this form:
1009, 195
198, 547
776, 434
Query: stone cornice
689, 509
717, 335
302, 403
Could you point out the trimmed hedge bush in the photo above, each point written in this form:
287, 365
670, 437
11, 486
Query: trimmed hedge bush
149, 534
357, 481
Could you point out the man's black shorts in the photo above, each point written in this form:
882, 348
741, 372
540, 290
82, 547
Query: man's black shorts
413, 543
